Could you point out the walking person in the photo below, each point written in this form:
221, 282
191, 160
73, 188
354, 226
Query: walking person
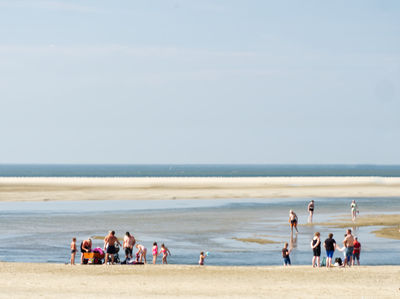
293, 220
310, 209
354, 210
330, 246
316, 247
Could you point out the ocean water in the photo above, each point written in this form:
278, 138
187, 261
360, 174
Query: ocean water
42, 231
36, 170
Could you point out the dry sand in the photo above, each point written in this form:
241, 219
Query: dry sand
45, 189
64, 281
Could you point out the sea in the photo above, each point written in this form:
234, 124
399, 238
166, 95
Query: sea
42, 231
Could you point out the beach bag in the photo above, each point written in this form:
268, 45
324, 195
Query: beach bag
323, 263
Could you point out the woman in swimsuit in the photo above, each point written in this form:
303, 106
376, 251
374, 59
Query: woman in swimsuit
165, 252
293, 220
354, 210
155, 252
311, 211
316, 247
142, 251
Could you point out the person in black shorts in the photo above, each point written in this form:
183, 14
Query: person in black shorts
310, 211
316, 247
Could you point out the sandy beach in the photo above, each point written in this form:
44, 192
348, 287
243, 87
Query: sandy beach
65, 281
56, 188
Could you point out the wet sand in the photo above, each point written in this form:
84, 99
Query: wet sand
390, 223
19, 280
51, 189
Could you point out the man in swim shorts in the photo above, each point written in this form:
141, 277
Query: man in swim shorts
129, 242
293, 220
348, 242
109, 246
330, 246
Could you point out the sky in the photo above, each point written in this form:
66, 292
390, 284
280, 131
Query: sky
210, 81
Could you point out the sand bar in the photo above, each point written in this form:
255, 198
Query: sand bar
19, 280
70, 188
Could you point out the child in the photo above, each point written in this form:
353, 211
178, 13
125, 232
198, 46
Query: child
285, 255
356, 251
155, 252
142, 251
165, 252
73, 251
202, 257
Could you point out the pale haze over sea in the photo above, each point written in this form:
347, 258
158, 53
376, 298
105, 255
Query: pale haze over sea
189, 82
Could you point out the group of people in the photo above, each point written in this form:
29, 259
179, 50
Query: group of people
351, 246
111, 248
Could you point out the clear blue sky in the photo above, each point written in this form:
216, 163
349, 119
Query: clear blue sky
205, 81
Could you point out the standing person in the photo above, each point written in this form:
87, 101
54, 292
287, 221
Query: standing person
202, 258
330, 246
73, 251
165, 252
86, 246
310, 211
109, 246
356, 251
316, 247
155, 252
129, 242
354, 210
285, 254
348, 242
293, 221
142, 251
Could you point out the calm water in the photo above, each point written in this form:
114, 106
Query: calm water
197, 170
41, 231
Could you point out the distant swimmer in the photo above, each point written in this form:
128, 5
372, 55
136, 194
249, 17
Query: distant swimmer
354, 210
310, 211
293, 220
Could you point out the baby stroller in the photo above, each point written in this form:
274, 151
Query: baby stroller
116, 255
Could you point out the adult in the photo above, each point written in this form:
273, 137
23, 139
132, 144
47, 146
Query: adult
356, 251
330, 246
129, 242
354, 210
141, 253
316, 247
86, 246
348, 242
310, 209
293, 220
109, 246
